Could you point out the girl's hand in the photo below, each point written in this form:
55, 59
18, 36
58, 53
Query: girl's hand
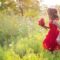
46, 27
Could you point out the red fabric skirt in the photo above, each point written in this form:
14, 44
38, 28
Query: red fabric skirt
50, 42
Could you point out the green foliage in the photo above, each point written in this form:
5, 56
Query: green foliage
21, 39
1, 53
10, 55
27, 45
30, 57
9, 28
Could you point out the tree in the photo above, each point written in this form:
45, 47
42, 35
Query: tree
23, 7
7, 6
28, 6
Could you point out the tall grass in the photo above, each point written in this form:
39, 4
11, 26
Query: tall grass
21, 39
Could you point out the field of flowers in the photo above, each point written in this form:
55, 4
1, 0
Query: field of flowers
21, 39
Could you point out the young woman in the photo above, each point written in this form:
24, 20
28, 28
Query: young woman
50, 42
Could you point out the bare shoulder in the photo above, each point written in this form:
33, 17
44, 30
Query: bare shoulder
55, 21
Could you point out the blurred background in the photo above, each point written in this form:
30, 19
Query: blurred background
20, 35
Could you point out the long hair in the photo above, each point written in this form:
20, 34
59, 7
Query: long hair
52, 13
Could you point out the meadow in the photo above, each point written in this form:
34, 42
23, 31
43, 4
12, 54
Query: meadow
21, 38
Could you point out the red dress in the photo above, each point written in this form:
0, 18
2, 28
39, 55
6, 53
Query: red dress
50, 41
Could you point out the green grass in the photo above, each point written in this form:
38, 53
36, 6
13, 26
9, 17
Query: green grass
23, 39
